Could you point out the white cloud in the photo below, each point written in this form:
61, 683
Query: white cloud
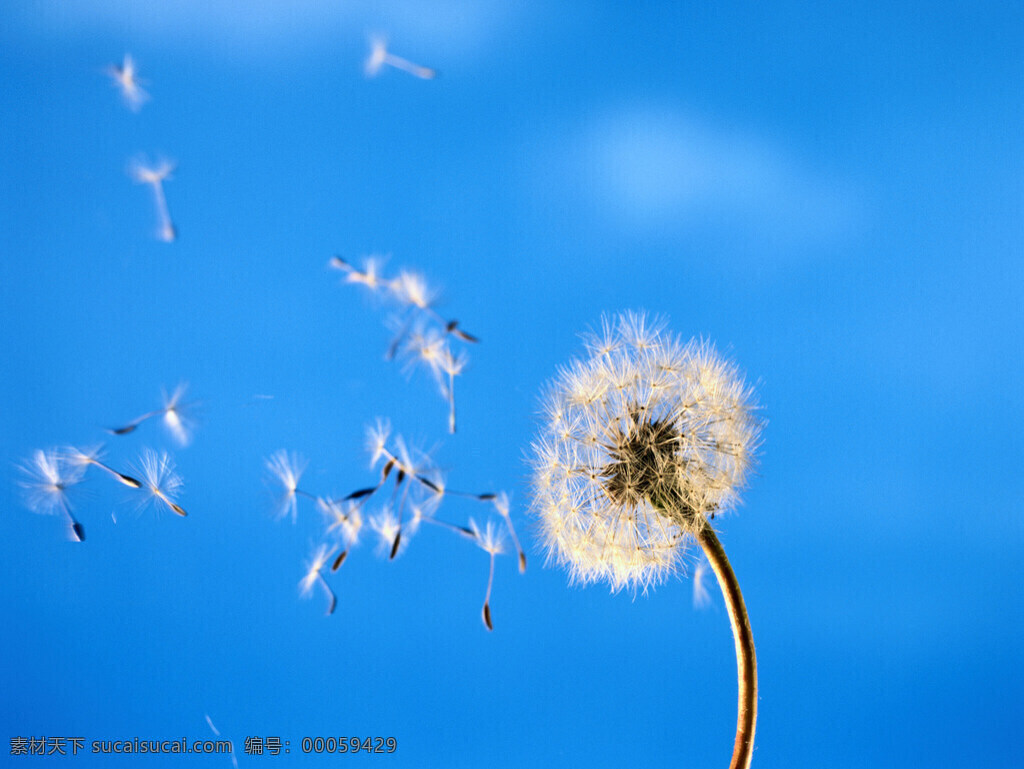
660, 168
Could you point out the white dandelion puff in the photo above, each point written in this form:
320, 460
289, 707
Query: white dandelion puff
313, 576
287, 468
648, 439
126, 79
645, 442
49, 477
160, 483
380, 57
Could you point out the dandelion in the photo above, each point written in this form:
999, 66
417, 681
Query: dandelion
313, 576
489, 541
92, 456
159, 480
380, 56
49, 477
127, 81
646, 441
155, 176
177, 416
287, 468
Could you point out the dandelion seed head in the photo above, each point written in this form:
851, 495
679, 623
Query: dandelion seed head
287, 468
645, 440
49, 475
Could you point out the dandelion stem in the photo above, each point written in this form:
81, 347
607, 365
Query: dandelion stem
746, 661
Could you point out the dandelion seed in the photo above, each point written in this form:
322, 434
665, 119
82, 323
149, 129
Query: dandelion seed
411, 288
647, 440
93, 456
380, 56
385, 523
489, 540
428, 347
345, 521
422, 515
287, 468
127, 81
313, 576
177, 416
500, 502
160, 482
377, 440
369, 276
49, 478
155, 176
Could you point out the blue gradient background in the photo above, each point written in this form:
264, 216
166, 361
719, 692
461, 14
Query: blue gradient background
831, 193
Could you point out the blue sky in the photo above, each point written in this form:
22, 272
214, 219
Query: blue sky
832, 194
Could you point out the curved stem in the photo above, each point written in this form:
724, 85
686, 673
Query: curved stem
746, 661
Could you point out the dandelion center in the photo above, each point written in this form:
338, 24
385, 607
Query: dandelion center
644, 465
